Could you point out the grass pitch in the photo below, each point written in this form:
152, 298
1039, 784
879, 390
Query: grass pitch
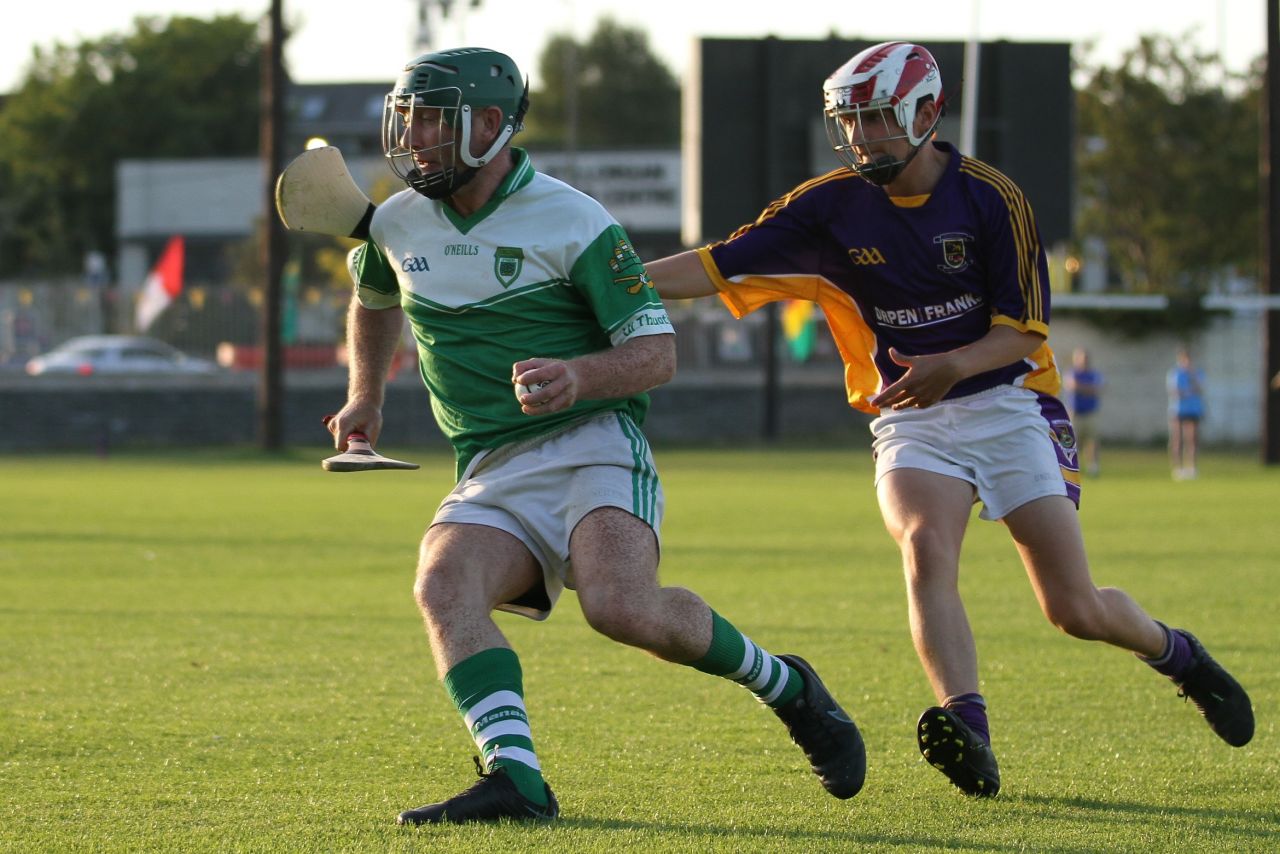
220, 652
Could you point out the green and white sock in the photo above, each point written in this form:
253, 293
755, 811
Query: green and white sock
488, 689
734, 656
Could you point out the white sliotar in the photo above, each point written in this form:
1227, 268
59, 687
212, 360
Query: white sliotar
521, 388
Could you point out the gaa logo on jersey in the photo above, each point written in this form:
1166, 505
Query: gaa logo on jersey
508, 261
864, 256
413, 264
955, 253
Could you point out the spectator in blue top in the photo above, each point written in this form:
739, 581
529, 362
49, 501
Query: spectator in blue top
1085, 382
1185, 384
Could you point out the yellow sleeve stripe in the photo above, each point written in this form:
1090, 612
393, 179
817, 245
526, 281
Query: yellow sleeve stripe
853, 338
1021, 324
736, 306
1022, 221
1044, 376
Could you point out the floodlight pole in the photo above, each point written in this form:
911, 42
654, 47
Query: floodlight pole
1270, 168
271, 150
969, 95
770, 181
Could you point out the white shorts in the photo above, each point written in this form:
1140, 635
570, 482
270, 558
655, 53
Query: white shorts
540, 489
1011, 444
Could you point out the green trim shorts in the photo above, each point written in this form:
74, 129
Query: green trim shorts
538, 490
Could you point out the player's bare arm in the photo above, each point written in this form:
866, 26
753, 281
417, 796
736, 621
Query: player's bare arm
930, 377
632, 367
680, 276
372, 338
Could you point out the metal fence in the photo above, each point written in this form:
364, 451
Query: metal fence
223, 323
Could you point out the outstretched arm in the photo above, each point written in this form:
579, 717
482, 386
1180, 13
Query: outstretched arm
680, 276
634, 366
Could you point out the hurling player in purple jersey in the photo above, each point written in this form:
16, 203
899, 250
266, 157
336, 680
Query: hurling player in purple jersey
929, 269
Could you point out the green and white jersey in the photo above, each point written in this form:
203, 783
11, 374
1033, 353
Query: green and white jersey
542, 270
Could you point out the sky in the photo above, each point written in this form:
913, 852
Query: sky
331, 44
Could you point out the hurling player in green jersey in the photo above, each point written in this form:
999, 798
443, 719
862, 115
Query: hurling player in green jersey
538, 333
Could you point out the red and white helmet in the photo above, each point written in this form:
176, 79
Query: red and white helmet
893, 77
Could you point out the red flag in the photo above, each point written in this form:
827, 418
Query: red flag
163, 284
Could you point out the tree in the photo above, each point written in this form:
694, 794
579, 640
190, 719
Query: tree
1168, 166
626, 97
184, 87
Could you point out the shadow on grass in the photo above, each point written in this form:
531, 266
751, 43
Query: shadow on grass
1240, 828
1236, 823
812, 839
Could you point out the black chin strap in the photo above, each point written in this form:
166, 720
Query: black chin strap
884, 168
439, 185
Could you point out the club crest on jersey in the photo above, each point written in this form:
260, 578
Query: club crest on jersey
627, 269
1065, 437
955, 254
508, 261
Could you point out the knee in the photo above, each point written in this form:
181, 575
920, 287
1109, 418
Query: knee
433, 589
613, 614
1078, 616
924, 553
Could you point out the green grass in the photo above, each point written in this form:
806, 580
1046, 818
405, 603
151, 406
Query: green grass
217, 652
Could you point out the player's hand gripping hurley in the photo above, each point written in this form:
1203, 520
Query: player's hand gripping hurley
360, 456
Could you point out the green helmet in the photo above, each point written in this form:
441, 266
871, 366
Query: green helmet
456, 83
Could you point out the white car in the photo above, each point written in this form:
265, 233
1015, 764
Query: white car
90, 355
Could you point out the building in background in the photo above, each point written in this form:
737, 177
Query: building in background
215, 203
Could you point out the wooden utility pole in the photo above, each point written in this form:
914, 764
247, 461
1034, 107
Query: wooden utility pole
271, 149
1270, 168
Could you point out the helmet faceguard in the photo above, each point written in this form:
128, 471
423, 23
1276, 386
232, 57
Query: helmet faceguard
434, 99
880, 90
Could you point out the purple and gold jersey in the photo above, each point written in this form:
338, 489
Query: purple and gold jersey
923, 274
